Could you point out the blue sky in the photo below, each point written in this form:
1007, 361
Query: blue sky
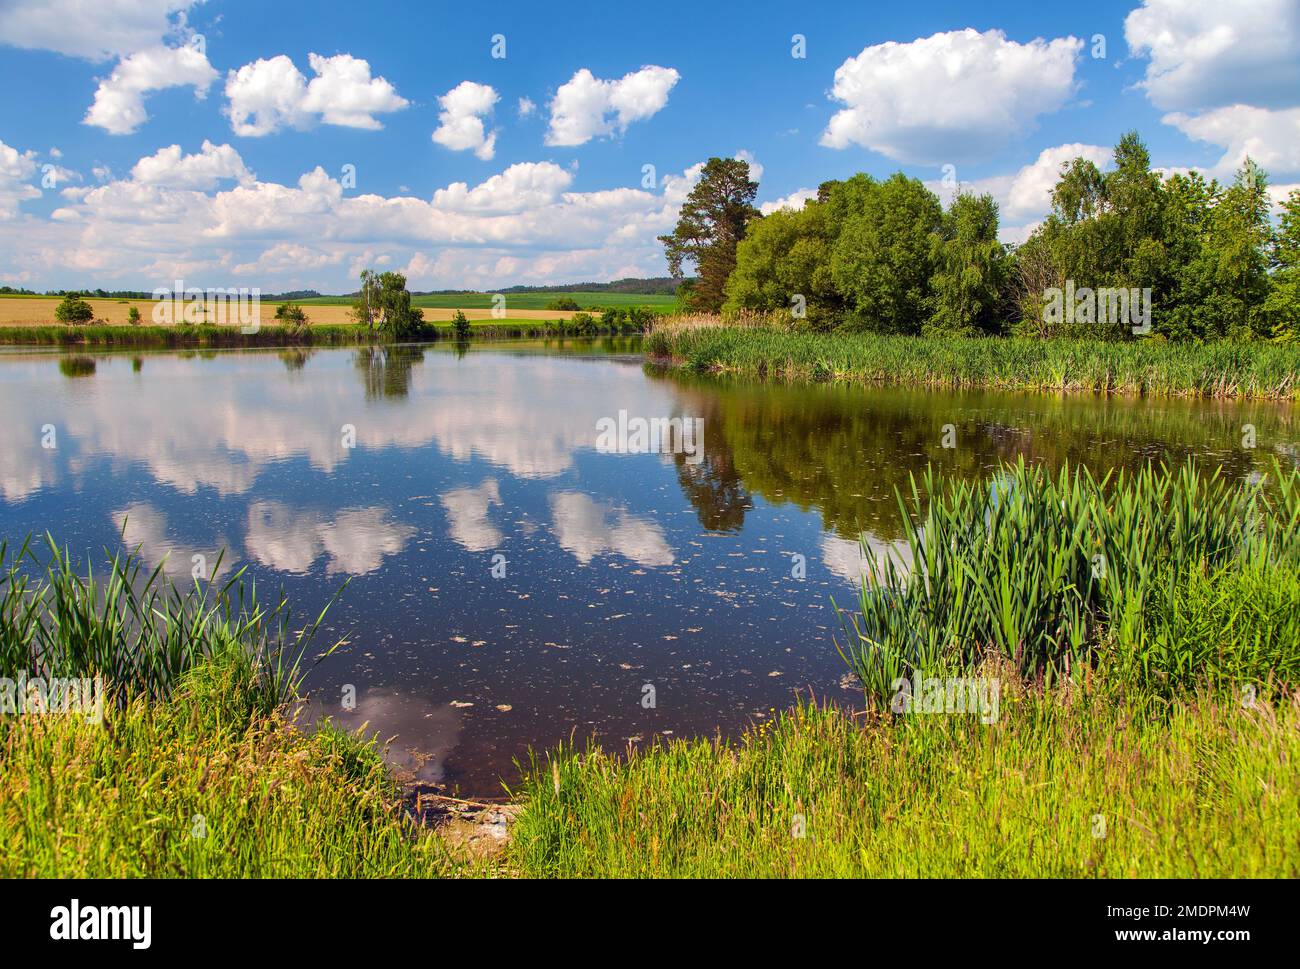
463, 190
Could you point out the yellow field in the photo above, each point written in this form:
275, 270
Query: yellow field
39, 311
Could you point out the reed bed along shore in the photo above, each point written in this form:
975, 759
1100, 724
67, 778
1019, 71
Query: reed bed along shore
1152, 368
1170, 579
270, 335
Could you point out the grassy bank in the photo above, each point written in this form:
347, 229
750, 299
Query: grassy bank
188, 764
146, 336
1085, 788
200, 785
1074, 788
1158, 369
316, 335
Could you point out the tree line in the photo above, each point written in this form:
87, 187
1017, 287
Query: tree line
886, 255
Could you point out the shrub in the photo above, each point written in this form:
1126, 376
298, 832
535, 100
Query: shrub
583, 324
639, 319
133, 316
73, 310
460, 323
291, 313
565, 303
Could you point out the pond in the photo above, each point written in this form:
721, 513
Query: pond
512, 581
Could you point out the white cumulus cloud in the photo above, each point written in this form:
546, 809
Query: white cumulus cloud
1270, 138
794, 201
343, 92
204, 216
586, 107
460, 123
271, 93
118, 107
95, 31
1215, 53
950, 97
16, 171
522, 186
172, 168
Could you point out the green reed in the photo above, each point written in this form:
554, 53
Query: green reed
1057, 574
1145, 367
136, 628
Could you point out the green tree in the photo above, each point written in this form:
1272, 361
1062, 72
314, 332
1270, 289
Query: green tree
639, 319
970, 266
1237, 249
1080, 192
292, 317
784, 265
460, 324
1286, 241
583, 324
1189, 202
1282, 305
1106, 230
72, 310
883, 257
711, 224
845, 199
365, 307
384, 303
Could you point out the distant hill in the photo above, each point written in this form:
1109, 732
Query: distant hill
634, 286
139, 293
295, 294
656, 286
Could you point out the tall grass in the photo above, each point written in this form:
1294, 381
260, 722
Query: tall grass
1168, 576
205, 784
1100, 786
1146, 367
136, 629
197, 768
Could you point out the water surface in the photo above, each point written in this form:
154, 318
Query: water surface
510, 585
